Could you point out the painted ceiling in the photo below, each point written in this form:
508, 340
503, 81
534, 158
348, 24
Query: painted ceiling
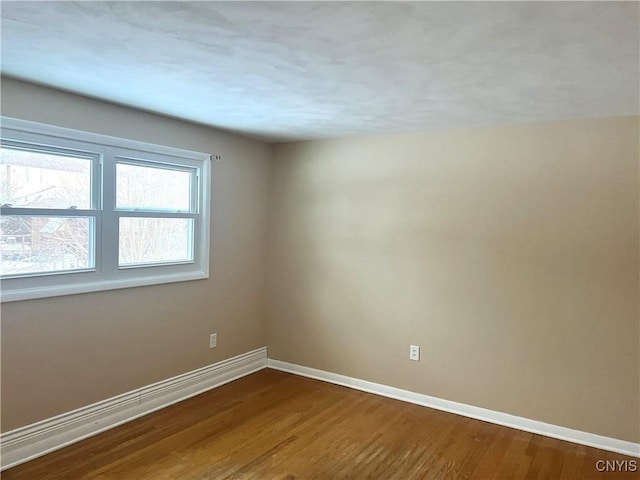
284, 71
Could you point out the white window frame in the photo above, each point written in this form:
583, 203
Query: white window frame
104, 152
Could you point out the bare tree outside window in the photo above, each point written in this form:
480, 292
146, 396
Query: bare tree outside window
148, 239
33, 244
155, 240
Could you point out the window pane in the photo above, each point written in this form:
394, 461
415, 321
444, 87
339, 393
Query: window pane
155, 240
152, 188
45, 244
44, 180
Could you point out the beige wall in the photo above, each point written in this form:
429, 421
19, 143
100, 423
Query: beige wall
510, 255
62, 353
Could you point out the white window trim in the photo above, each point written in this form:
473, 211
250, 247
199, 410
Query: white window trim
102, 278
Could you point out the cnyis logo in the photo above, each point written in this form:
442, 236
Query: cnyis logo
617, 465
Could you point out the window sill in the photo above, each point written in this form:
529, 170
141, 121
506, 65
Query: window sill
97, 286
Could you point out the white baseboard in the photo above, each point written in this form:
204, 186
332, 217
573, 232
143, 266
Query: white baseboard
505, 419
25, 443
32, 441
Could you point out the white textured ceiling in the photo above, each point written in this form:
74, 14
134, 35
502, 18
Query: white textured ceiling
301, 70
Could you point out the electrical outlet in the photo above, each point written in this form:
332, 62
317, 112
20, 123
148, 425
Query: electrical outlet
213, 340
414, 353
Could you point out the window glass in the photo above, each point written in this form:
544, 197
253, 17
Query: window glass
144, 240
39, 244
146, 187
44, 180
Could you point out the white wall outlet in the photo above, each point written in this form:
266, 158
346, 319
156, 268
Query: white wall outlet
414, 353
213, 340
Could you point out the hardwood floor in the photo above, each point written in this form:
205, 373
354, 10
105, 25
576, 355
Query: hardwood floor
272, 425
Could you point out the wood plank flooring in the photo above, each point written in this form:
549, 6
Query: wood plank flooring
272, 425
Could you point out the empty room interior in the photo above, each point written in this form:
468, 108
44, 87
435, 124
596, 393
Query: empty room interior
330, 240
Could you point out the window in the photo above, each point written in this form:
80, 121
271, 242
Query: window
83, 212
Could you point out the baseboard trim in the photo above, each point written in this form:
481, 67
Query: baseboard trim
504, 419
32, 441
